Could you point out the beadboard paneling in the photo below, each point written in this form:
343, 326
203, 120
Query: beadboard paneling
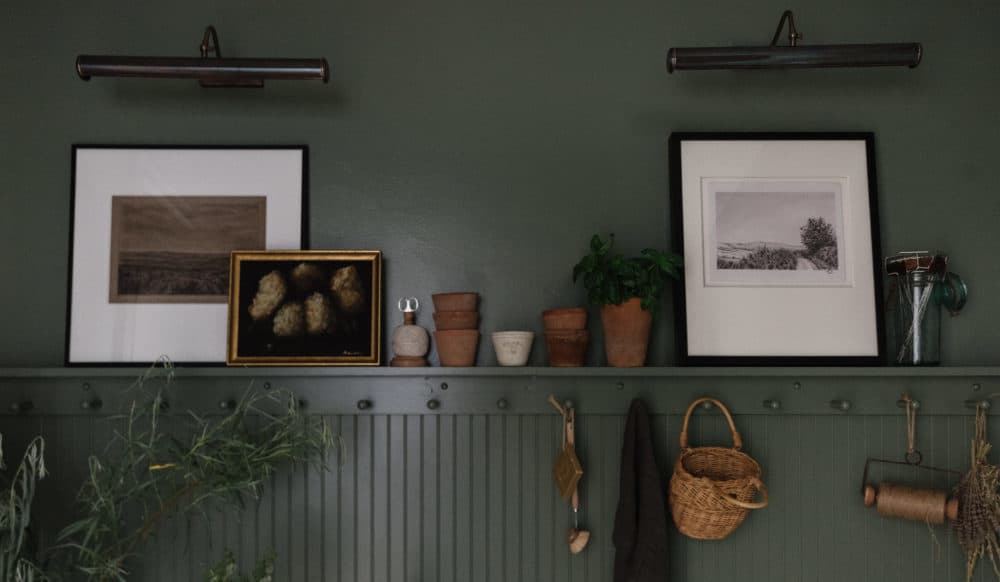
456, 498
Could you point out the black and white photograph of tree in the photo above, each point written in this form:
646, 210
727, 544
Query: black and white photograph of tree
788, 231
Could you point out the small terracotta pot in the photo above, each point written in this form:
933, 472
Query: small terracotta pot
465, 301
565, 318
567, 348
626, 333
457, 347
512, 347
445, 320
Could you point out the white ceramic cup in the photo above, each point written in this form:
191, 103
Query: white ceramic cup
512, 347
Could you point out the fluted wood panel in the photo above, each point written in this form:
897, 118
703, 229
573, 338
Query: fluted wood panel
457, 498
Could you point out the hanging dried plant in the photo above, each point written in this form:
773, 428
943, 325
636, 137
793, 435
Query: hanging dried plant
979, 504
147, 476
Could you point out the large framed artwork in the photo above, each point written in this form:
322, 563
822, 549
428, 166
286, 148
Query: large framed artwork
305, 308
152, 232
779, 233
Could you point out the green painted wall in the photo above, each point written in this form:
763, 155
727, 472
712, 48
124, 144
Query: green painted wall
481, 144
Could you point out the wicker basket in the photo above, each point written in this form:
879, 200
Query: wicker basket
712, 488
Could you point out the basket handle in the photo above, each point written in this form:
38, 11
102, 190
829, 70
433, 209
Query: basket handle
744, 504
737, 440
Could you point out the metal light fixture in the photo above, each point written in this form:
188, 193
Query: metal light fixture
211, 70
794, 55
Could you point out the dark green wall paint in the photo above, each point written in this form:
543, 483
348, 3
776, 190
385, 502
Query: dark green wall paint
481, 144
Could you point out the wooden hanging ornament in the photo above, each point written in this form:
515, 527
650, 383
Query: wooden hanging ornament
567, 469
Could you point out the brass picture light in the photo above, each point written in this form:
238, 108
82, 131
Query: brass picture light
794, 55
211, 69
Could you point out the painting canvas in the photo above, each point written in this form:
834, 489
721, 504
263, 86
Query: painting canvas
175, 249
305, 308
767, 232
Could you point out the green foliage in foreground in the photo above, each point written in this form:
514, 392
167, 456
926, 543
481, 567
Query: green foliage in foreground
225, 570
612, 279
15, 514
147, 475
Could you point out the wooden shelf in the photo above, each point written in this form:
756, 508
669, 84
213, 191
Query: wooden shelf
494, 390
519, 372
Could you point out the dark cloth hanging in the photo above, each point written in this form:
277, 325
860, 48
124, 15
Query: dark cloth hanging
640, 534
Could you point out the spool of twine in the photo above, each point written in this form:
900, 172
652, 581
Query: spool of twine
925, 505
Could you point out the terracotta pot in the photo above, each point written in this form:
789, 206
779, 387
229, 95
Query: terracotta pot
512, 347
457, 347
626, 333
465, 301
445, 320
567, 348
565, 318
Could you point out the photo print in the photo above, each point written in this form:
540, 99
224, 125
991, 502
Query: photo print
175, 249
774, 232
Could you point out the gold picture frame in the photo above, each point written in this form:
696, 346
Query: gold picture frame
305, 308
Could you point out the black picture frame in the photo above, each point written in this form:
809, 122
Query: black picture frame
865, 262
300, 240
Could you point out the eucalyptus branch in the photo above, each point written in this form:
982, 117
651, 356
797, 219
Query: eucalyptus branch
147, 476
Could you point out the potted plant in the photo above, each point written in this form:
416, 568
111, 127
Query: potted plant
628, 291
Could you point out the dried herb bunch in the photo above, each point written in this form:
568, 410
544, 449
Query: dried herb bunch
15, 514
979, 504
147, 475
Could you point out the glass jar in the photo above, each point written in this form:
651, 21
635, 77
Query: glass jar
919, 285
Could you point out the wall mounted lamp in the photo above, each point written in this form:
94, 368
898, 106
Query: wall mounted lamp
794, 55
211, 70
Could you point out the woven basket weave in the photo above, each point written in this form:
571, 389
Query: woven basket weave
713, 488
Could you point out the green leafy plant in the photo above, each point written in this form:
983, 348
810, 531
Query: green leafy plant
225, 570
15, 515
146, 475
611, 278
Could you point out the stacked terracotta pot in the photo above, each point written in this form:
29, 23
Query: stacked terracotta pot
566, 336
456, 320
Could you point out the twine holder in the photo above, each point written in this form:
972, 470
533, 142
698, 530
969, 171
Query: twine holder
931, 506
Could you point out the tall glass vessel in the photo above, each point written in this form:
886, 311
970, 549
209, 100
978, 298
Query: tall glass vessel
919, 285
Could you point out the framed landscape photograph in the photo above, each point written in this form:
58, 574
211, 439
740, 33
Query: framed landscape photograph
152, 232
779, 233
305, 308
